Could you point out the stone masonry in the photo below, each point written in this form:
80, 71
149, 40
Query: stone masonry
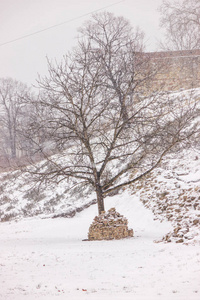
109, 226
176, 69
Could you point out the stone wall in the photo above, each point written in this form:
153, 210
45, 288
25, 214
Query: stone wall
109, 226
175, 70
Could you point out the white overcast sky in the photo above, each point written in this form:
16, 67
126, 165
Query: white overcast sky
25, 58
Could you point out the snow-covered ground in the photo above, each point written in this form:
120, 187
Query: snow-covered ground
46, 259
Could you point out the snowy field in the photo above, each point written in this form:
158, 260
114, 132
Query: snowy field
47, 259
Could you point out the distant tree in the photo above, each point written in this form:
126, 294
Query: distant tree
181, 21
99, 131
12, 113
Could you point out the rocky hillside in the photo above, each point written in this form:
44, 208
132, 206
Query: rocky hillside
172, 192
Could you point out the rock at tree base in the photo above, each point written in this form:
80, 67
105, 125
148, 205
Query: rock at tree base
109, 226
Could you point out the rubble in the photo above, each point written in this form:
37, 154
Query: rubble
174, 199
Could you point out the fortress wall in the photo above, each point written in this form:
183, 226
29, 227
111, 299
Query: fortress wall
175, 70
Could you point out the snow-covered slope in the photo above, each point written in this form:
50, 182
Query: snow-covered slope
46, 259
21, 197
172, 192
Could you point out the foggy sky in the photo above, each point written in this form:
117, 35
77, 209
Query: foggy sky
25, 58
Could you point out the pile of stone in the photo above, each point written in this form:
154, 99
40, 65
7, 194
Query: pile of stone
108, 226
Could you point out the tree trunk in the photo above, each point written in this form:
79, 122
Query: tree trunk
124, 110
124, 113
12, 142
100, 199
13, 147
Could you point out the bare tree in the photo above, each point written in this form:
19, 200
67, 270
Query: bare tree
112, 41
95, 143
13, 113
181, 21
